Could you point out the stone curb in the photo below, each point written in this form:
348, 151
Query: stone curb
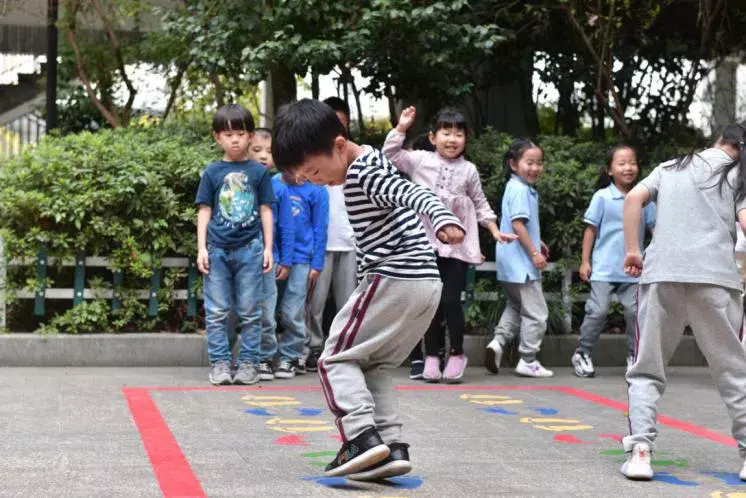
188, 350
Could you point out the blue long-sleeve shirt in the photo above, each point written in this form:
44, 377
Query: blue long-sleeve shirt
284, 233
310, 206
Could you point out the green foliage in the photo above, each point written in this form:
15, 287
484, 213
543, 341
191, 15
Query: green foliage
124, 194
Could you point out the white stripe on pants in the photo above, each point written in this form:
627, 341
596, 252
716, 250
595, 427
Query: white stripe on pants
715, 315
375, 330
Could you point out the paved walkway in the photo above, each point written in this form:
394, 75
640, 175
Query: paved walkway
164, 432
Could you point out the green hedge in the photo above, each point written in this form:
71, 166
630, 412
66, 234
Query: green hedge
126, 194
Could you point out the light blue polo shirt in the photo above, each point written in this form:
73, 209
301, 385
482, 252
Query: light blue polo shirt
605, 213
520, 201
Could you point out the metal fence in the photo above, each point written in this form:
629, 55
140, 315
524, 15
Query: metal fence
19, 132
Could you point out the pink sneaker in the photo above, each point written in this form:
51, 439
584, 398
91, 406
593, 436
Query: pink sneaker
432, 369
455, 368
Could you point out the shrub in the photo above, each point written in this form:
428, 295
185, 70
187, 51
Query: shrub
125, 194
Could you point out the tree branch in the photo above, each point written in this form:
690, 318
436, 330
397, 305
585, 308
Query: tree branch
175, 84
114, 41
110, 117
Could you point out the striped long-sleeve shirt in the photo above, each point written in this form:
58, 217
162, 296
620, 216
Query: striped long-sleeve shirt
383, 209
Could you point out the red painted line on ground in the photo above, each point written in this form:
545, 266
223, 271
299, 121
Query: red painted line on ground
171, 468
176, 477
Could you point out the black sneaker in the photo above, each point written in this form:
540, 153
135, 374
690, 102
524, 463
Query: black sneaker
312, 362
265, 371
286, 370
396, 464
361, 453
415, 369
300, 366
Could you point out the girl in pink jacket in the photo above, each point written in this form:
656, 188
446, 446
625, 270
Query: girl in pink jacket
456, 182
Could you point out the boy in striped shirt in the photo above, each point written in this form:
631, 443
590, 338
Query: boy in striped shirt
399, 284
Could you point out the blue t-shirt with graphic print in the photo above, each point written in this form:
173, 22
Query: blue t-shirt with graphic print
234, 191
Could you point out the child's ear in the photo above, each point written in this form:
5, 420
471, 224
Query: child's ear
513, 165
216, 136
431, 137
340, 144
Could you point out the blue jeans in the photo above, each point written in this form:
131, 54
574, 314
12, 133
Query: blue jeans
292, 317
234, 281
269, 307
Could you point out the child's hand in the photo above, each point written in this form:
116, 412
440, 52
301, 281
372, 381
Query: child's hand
283, 272
544, 250
585, 271
503, 238
406, 119
633, 264
267, 265
451, 234
313, 276
203, 261
484, 258
540, 262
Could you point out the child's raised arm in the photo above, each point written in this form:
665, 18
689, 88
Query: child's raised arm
404, 160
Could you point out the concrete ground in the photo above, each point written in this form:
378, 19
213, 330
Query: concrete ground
134, 432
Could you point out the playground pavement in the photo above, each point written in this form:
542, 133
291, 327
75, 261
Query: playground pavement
149, 432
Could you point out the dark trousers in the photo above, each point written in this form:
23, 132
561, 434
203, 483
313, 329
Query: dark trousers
450, 310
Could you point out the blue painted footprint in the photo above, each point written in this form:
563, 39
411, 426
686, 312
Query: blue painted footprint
260, 412
309, 412
400, 482
728, 478
668, 478
497, 409
545, 411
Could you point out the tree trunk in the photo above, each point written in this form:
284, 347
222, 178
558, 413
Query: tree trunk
284, 88
506, 106
314, 85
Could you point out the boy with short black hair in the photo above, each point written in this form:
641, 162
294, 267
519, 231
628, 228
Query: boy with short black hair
399, 287
340, 266
234, 242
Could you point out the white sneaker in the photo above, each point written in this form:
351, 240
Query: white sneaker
582, 364
532, 369
742, 474
492, 356
637, 467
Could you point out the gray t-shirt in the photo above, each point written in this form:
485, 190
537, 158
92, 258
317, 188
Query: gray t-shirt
695, 236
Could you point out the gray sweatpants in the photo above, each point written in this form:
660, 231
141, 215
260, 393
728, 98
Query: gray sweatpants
339, 274
597, 308
715, 315
375, 330
525, 312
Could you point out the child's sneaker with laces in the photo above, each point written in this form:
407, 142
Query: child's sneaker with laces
220, 374
396, 464
455, 368
300, 366
285, 370
246, 374
313, 360
637, 467
582, 364
358, 454
431, 372
493, 356
416, 368
532, 369
265, 371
